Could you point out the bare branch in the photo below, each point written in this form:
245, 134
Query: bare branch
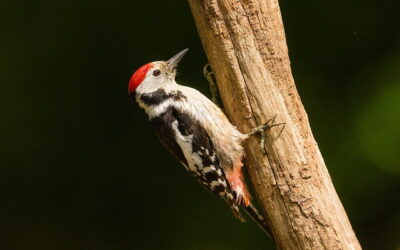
246, 46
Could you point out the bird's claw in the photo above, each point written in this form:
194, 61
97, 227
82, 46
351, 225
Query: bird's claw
210, 76
262, 128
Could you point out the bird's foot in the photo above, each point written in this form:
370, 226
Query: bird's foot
262, 128
210, 76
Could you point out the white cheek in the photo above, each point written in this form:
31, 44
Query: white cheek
150, 84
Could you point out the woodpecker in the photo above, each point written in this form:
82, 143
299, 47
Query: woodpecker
196, 131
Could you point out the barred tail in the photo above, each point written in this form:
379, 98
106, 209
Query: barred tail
258, 218
237, 214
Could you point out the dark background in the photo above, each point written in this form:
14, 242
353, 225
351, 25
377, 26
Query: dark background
80, 168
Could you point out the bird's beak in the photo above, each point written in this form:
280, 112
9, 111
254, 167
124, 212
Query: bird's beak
173, 62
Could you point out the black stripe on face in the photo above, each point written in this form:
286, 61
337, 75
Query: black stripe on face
159, 96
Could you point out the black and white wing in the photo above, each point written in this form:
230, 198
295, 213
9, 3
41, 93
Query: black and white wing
187, 140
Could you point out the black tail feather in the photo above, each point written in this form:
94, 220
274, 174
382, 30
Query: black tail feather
259, 219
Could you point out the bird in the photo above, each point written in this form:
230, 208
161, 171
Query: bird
197, 132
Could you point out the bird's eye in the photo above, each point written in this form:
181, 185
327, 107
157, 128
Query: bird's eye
156, 73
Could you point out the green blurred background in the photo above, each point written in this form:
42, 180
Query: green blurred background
82, 169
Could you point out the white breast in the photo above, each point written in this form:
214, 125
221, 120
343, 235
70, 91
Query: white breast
226, 138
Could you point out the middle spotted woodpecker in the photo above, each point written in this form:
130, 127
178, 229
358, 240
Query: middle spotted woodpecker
196, 132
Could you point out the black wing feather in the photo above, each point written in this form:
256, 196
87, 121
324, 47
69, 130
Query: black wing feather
163, 127
214, 181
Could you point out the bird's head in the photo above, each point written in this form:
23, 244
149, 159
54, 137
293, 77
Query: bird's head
154, 75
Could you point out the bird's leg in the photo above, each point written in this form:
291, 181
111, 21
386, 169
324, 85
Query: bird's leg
210, 76
261, 130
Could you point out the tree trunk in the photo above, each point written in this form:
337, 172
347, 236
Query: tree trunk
246, 47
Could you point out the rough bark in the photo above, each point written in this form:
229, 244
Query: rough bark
245, 44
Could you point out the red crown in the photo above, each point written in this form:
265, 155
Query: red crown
138, 77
